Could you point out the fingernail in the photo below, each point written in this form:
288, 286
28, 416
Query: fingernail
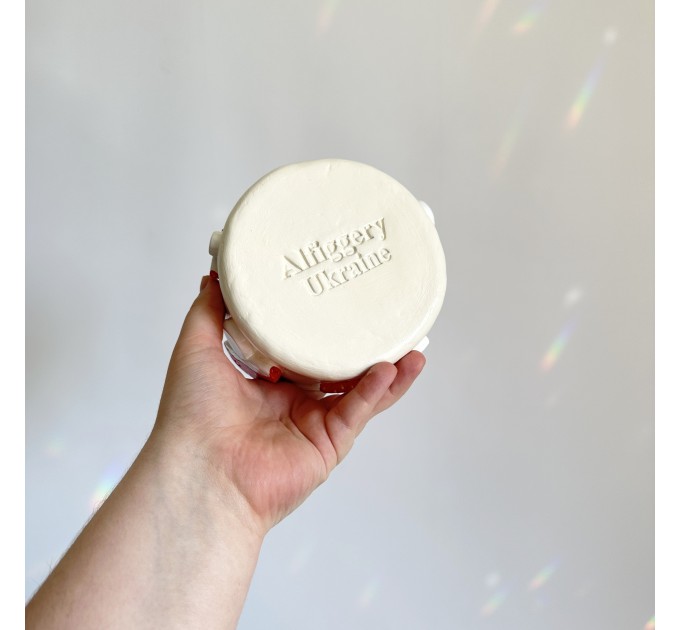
374, 368
204, 281
213, 274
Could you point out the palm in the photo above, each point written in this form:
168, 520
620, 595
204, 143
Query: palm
274, 443
270, 440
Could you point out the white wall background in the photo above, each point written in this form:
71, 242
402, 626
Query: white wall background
513, 488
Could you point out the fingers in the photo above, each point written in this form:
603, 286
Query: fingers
409, 367
347, 418
203, 324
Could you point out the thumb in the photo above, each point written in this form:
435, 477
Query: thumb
202, 326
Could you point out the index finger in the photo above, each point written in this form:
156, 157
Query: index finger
346, 419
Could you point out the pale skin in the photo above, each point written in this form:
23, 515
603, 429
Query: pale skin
177, 542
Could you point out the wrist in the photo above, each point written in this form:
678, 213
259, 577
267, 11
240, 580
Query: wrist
189, 483
206, 546
163, 550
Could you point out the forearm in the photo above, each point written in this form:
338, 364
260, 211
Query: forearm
166, 550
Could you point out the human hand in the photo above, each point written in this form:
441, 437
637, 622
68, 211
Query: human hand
266, 445
176, 543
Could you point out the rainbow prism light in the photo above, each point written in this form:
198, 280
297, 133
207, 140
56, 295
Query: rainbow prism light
542, 576
494, 603
556, 349
585, 94
530, 17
